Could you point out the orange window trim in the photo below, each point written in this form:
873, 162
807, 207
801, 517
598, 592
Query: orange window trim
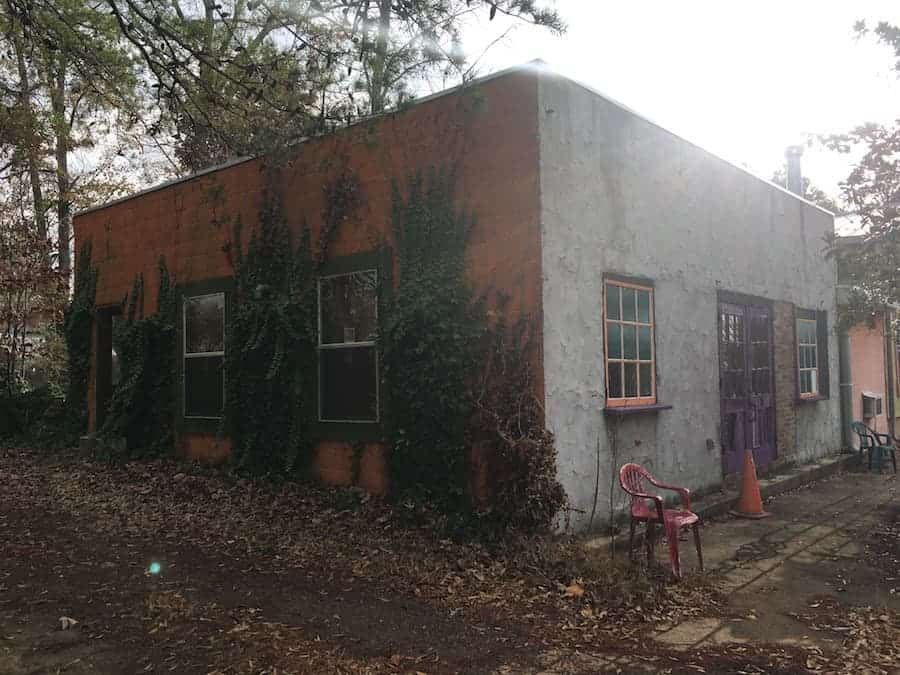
624, 402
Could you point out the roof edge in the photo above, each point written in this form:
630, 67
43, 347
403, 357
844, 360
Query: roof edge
609, 99
528, 65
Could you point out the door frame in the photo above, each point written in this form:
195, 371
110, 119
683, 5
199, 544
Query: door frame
738, 298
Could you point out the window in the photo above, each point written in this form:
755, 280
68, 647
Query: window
630, 358
348, 364
204, 356
812, 354
808, 357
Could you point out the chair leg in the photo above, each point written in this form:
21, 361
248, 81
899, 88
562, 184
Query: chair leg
674, 557
870, 458
894, 459
696, 529
631, 541
651, 532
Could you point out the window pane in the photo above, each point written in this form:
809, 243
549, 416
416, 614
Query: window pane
814, 381
348, 307
646, 387
614, 335
631, 389
629, 341
615, 380
204, 386
204, 324
612, 301
643, 303
628, 313
348, 384
644, 344
805, 382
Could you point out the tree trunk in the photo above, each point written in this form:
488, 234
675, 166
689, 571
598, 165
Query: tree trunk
63, 181
31, 144
378, 84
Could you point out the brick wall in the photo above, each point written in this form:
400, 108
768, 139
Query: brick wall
488, 132
785, 381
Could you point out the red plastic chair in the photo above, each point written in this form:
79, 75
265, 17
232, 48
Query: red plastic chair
631, 478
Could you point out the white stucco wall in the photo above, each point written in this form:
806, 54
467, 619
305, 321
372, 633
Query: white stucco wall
621, 195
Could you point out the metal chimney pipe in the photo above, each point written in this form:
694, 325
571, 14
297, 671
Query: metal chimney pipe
794, 173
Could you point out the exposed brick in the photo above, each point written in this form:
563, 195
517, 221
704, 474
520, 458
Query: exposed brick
785, 381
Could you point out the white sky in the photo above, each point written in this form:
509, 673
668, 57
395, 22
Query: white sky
743, 80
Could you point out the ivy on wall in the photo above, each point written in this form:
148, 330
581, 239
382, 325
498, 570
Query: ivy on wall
430, 332
141, 409
508, 428
78, 322
271, 348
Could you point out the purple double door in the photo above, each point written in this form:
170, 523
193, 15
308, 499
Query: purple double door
746, 384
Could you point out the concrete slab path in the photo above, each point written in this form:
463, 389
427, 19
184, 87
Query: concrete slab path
830, 544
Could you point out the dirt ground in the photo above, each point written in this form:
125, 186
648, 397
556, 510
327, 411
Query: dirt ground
261, 578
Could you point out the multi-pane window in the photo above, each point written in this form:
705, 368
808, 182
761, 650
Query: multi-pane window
808, 357
630, 359
204, 355
348, 363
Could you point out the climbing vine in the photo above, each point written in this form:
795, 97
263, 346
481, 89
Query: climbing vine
271, 363
431, 328
508, 427
141, 409
78, 320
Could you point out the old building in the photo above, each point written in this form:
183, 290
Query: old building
685, 307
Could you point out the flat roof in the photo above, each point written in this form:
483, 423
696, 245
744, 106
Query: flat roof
537, 65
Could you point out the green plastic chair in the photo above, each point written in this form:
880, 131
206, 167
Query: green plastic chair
878, 446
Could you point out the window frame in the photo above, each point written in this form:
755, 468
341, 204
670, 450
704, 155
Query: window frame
634, 401
185, 298
362, 344
816, 392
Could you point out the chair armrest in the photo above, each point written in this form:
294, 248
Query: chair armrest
656, 499
683, 492
887, 438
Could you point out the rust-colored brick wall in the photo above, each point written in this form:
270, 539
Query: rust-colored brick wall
785, 380
488, 131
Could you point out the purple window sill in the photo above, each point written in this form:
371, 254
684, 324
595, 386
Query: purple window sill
622, 411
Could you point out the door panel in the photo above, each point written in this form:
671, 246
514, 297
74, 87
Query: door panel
746, 384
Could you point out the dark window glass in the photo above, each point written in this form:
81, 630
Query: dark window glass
615, 379
349, 308
631, 387
614, 335
646, 387
644, 346
629, 341
204, 324
204, 386
349, 381
612, 301
643, 303
628, 311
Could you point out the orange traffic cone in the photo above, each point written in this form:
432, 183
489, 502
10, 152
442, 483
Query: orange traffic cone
749, 504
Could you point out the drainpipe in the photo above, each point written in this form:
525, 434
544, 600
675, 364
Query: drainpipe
889, 370
844, 374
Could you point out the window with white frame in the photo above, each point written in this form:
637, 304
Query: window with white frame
808, 357
348, 362
204, 355
630, 357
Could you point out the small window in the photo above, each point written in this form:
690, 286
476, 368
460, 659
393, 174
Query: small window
348, 363
630, 351
812, 355
204, 356
808, 357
